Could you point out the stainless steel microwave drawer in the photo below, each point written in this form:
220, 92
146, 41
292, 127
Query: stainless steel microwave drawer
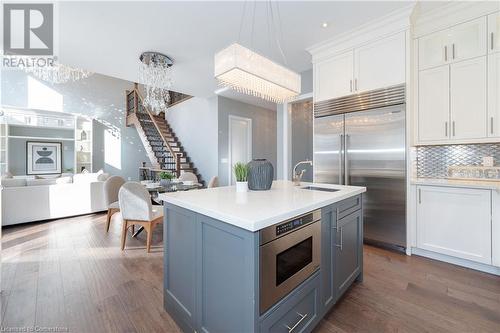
348, 206
298, 312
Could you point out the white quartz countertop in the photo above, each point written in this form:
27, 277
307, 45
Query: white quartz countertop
479, 184
255, 210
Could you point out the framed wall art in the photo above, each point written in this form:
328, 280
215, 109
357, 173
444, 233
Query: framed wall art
43, 158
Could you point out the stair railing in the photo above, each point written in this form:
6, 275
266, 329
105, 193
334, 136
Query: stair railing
176, 156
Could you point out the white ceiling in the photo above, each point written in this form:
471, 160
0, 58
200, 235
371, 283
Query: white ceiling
108, 37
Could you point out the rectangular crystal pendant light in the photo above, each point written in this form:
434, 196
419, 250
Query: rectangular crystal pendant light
248, 72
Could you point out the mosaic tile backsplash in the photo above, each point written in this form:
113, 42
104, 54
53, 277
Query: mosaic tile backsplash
433, 161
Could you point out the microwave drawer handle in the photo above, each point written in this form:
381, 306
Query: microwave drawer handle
302, 317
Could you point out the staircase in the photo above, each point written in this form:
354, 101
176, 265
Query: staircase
162, 146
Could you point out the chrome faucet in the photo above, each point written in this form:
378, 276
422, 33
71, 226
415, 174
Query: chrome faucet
297, 176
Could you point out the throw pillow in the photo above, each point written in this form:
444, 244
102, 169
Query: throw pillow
102, 176
7, 175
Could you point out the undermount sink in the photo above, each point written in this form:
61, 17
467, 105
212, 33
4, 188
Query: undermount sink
317, 188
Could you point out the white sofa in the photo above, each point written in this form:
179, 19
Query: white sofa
29, 199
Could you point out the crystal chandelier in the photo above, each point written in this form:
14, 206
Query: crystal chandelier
57, 73
248, 72
155, 72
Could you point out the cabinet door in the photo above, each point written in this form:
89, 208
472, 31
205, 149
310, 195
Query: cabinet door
333, 77
468, 39
328, 223
495, 228
433, 104
455, 222
468, 99
431, 50
348, 251
494, 94
380, 64
494, 32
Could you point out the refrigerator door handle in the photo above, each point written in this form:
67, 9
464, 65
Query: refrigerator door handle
346, 160
341, 159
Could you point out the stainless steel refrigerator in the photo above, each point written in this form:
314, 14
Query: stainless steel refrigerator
361, 141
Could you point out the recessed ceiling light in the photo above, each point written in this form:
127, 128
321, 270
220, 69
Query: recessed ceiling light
324, 24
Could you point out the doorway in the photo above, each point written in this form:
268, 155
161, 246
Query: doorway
240, 143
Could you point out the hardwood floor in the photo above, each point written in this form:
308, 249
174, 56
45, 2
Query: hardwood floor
70, 274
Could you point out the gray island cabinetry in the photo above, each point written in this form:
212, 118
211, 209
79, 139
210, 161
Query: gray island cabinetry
273, 261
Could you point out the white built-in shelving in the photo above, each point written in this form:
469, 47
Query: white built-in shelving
83, 144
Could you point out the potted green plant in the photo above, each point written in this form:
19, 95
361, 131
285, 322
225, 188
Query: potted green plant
165, 178
241, 174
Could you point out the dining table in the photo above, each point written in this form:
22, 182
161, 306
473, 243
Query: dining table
155, 188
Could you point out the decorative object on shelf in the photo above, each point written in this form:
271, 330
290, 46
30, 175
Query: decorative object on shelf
81, 148
260, 174
83, 136
43, 158
248, 72
84, 170
57, 73
241, 175
155, 73
82, 158
165, 178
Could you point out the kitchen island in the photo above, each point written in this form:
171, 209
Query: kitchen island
261, 261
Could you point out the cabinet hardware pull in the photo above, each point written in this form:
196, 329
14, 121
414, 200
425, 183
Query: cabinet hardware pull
419, 196
453, 125
453, 50
302, 317
491, 125
350, 85
492, 39
446, 53
341, 237
356, 84
446, 129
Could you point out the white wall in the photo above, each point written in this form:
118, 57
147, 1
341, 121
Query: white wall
99, 97
195, 124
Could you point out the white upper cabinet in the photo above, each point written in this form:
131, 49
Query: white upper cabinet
468, 103
373, 65
473, 84
494, 95
333, 77
433, 104
494, 32
460, 42
432, 50
467, 40
380, 64
455, 222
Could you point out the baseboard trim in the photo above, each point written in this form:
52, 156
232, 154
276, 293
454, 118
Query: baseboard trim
456, 261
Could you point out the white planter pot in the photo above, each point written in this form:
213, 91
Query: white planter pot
241, 186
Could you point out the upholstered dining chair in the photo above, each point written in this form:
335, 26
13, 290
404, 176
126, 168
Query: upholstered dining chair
214, 182
136, 209
188, 176
111, 187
